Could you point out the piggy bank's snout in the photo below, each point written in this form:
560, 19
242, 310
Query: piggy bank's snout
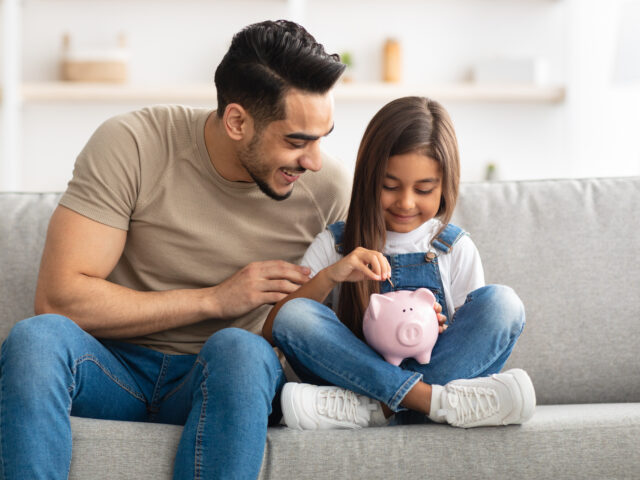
410, 334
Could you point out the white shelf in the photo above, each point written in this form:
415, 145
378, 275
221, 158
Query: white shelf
110, 92
463, 92
458, 92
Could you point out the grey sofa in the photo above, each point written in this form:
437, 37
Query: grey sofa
570, 248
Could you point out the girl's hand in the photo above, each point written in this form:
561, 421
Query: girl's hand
441, 318
361, 264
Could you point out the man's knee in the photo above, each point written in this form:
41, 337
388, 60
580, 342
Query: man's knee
40, 334
34, 351
238, 351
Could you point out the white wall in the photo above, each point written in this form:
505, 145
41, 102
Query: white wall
603, 114
441, 39
591, 133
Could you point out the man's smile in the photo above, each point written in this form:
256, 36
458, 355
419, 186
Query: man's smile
291, 175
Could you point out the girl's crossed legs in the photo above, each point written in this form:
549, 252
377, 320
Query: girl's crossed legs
477, 343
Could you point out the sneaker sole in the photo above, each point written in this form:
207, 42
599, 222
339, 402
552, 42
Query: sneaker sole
289, 416
527, 391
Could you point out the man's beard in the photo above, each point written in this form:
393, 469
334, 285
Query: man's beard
250, 160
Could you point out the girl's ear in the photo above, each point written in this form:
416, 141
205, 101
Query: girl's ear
237, 122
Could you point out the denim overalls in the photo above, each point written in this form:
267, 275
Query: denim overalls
410, 271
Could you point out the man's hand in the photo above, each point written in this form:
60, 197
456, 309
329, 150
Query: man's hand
257, 284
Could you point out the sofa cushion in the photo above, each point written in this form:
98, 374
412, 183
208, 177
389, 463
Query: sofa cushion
115, 450
560, 442
571, 250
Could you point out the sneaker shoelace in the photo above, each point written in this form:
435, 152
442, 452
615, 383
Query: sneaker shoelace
471, 404
338, 404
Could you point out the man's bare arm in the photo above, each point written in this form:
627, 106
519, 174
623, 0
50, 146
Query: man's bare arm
80, 253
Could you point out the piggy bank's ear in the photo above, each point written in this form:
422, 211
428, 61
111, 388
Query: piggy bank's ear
377, 303
425, 295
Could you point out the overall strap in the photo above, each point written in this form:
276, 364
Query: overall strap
448, 237
337, 231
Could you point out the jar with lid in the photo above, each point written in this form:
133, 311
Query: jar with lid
392, 61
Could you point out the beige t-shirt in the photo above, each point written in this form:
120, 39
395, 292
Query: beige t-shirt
148, 172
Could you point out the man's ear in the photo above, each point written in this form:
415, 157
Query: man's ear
237, 122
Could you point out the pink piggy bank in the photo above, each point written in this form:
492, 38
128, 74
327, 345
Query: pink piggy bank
402, 324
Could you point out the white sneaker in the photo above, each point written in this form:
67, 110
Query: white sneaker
311, 407
501, 399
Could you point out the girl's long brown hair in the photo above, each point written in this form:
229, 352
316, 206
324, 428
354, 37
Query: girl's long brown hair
404, 125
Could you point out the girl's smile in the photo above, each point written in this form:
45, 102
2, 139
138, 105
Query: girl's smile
402, 218
411, 191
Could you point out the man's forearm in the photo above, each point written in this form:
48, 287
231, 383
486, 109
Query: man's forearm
107, 310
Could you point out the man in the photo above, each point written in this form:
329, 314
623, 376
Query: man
163, 241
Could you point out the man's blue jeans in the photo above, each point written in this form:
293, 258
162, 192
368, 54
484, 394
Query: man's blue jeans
50, 369
478, 341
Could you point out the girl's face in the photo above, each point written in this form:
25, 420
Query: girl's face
411, 191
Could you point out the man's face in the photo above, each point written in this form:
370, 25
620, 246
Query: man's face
279, 153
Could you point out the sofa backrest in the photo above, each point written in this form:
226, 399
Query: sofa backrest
570, 249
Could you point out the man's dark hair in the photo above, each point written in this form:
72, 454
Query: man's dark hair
267, 59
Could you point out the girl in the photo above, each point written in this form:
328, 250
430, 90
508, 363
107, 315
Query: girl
397, 236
